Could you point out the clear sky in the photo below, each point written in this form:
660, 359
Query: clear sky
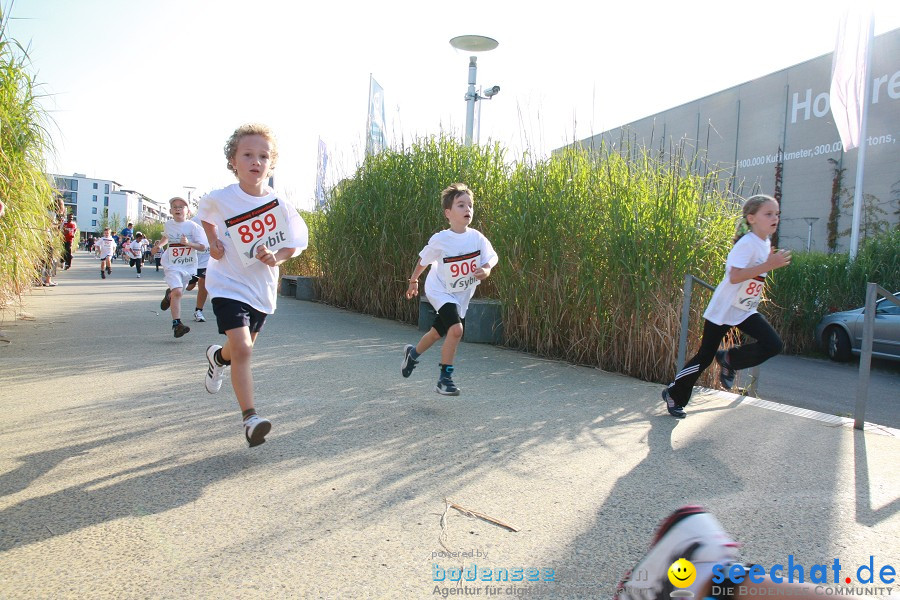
146, 93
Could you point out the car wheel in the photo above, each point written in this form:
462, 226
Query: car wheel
837, 344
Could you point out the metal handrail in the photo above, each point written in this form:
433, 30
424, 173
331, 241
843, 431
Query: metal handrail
685, 322
865, 355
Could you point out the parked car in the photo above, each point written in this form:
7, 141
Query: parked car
841, 333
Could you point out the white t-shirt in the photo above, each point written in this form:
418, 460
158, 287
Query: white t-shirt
174, 230
444, 246
202, 257
107, 246
135, 249
749, 251
257, 283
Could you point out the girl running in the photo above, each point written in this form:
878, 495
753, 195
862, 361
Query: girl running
734, 303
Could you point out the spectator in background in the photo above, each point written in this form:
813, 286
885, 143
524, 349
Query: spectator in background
69, 229
127, 231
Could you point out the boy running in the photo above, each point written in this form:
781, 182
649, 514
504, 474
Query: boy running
180, 258
106, 247
199, 279
251, 231
460, 257
136, 253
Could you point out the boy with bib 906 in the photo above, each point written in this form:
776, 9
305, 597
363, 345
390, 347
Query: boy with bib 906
251, 231
460, 258
185, 239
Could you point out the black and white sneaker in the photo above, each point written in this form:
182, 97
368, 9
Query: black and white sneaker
216, 372
255, 430
674, 410
446, 387
408, 363
726, 373
690, 533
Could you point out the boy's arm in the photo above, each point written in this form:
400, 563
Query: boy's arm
413, 287
216, 247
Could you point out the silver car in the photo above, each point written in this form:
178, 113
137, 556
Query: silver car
841, 333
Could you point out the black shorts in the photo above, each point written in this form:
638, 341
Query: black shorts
233, 314
135, 261
201, 274
447, 317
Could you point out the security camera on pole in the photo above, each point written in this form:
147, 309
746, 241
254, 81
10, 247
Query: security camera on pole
474, 43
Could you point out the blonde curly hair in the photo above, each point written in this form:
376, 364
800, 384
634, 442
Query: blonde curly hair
251, 129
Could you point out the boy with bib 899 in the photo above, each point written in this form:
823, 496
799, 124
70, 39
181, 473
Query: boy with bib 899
461, 258
251, 231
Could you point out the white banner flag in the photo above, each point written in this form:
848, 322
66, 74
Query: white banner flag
849, 74
321, 168
375, 125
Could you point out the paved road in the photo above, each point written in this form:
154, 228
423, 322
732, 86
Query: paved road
826, 386
120, 477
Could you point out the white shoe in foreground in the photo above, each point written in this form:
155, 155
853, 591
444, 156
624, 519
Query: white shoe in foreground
216, 372
690, 533
198, 316
255, 429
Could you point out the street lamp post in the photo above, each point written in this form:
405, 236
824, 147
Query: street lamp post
809, 221
473, 43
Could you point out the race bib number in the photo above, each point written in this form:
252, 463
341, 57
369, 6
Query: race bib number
749, 294
459, 272
264, 225
182, 256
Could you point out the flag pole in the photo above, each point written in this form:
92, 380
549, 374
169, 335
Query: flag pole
861, 156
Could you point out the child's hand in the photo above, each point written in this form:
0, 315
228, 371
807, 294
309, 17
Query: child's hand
184, 240
266, 256
778, 259
482, 273
217, 249
412, 290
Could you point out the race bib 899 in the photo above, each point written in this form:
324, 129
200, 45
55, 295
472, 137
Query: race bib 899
264, 225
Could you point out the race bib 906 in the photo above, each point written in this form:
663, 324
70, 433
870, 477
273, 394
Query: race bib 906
264, 225
459, 272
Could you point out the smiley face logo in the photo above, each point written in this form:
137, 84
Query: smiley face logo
682, 573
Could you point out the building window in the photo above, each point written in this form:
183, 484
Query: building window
106, 189
95, 197
94, 211
73, 185
70, 197
95, 185
105, 201
93, 223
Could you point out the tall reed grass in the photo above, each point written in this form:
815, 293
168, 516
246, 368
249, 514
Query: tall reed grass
593, 247
28, 234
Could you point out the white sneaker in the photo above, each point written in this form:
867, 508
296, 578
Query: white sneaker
216, 372
198, 316
690, 533
139, 276
255, 429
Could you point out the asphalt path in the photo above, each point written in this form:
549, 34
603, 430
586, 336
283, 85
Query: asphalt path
121, 477
831, 387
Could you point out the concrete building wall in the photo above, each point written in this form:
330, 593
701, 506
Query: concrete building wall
741, 130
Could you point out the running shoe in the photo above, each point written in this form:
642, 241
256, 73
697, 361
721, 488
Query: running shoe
408, 363
180, 329
166, 301
198, 316
674, 410
102, 274
690, 533
139, 276
216, 372
726, 373
446, 387
109, 270
191, 284
255, 430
